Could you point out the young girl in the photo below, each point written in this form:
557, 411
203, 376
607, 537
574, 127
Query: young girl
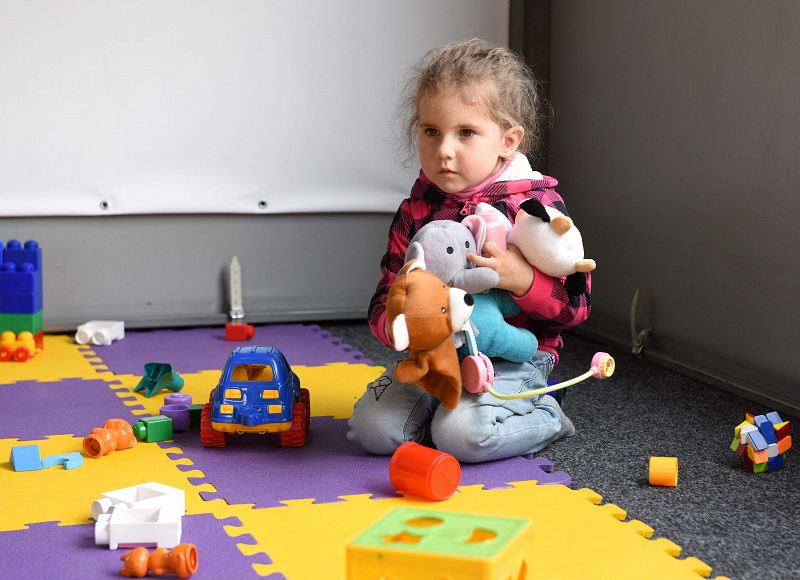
472, 111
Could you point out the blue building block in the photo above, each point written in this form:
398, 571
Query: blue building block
21, 288
767, 428
774, 418
774, 463
19, 302
68, 460
18, 254
756, 440
25, 458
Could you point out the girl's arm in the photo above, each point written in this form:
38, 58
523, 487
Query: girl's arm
399, 236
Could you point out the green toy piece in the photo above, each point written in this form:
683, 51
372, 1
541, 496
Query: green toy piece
443, 533
152, 429
195, 412
159, 376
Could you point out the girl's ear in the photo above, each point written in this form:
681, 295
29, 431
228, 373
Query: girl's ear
511, 141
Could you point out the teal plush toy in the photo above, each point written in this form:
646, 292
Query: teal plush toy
443, 245
496, 337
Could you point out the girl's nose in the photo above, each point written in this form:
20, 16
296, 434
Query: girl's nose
446, 149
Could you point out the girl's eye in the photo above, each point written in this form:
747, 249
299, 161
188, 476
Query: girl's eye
431, 132
467, 132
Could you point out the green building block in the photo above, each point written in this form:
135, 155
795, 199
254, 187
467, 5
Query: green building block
152, 429
195, 411
16, 323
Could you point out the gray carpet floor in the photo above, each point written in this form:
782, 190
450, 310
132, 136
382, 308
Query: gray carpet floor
741, 524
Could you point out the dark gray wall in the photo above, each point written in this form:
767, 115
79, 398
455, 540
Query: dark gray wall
160, 270
677, 145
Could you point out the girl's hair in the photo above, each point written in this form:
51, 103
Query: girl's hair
499, 79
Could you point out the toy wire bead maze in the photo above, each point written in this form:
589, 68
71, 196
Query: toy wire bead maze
477, 372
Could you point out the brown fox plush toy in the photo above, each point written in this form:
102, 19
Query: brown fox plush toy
422, 314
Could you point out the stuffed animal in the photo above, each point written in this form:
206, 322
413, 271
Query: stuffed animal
443, 245
422, 314
495, 336
547, 238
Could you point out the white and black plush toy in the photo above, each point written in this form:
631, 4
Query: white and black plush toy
547, 238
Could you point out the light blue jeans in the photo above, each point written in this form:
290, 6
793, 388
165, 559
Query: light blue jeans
480, 428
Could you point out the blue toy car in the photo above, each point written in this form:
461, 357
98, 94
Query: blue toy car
257, 393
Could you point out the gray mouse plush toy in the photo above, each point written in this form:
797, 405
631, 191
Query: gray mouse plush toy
444, 244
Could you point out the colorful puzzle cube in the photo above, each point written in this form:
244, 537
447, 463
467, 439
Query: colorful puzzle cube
427, 545
762, 441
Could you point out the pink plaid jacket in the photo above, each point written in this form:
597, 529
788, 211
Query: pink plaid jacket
547, 307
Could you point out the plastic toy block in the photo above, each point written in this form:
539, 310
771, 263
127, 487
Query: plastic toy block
17, 347
663, 471
756, 440
179, 414
418, 470
736, 443
785, 444
195, 413
159, 527
182, 561
115, 435
760, 467
18, 254
749, 417
20, 302
68, 460
239, 331
767, 429
100, 332
25, 458
742, 450
775, 463
749, 428
178, 399
782, 429
16, 323
774, 418
772, 450
152, 429
426, 544
151, 495
158, 376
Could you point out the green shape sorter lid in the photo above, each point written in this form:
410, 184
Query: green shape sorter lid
440, 532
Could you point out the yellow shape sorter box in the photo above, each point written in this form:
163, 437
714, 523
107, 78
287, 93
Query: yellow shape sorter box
419, 544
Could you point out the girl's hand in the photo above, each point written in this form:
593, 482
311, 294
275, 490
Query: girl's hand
516, 275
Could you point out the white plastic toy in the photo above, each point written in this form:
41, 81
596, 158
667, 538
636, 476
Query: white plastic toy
100, 332
160, 527
144, 496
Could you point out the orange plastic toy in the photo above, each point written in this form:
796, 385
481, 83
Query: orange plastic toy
181, 560
17, 347
116, 434
425, 472
664, 471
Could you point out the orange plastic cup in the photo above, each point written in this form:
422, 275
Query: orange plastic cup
424, 472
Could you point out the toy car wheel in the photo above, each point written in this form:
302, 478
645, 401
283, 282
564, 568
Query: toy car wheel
209, 437
21, 354
6, 354
296, 436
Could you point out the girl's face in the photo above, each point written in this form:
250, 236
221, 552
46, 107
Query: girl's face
459, 145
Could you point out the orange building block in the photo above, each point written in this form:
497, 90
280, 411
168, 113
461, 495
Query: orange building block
663, 471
